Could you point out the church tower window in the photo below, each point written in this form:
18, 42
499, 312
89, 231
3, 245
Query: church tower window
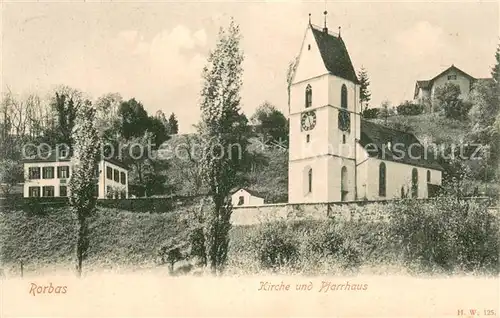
382, 180
344, 116
343, 97
308, 96
428, 176
343, 184
414, 183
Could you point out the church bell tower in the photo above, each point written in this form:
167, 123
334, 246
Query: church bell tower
324, 120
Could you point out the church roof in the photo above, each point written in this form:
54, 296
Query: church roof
404, 147
334, 54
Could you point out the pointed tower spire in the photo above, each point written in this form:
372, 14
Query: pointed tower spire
325, 29
309, 18
339, 31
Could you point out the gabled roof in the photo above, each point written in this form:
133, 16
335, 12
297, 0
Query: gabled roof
52, 156
375, 139
251, 192
427, 84
334, 54
454, 68
424, 84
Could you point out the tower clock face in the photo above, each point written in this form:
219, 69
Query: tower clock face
308, 120
344, 120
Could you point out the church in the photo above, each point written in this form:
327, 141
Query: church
334, 154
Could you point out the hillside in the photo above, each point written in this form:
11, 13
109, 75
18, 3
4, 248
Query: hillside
429, 127
269, 170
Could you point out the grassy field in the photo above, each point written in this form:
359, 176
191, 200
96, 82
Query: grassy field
439, 237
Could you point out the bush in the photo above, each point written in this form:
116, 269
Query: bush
274, 245
410, 109
371, 113
457, 109
445, 235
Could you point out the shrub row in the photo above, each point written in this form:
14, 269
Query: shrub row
442, 236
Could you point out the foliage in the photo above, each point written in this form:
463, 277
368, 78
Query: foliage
82, 181
495, 71
386, 110
446, 234
222, 128
483, 116
409, 109
116, 238
371, 113
274, 245
270, 124
134, 119
182, 152
11, 173
364, 92
292, 67
173, 124
448, 99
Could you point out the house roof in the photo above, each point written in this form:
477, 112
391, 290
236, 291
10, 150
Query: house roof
52, 156
334, 54
427, 84
424, 84
405, 147
252, 192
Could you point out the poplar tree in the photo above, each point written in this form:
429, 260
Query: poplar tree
222, 132
82, 184
364, 94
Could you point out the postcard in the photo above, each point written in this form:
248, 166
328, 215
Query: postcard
250, 159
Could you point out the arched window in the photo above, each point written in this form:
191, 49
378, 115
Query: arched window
310, 180
403, 194
343, 96
414, 183
308, 96
428, 176
382, 180
343, 184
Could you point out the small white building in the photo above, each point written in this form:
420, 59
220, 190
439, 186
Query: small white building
245, 197
47, 175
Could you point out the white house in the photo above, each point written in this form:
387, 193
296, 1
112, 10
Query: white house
425, 89
335, 155
47, 175
245, 197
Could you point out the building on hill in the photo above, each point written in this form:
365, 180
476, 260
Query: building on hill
245, 197
335, 155
48, 174
425, 89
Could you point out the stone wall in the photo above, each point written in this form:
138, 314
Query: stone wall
318, 211
355, 210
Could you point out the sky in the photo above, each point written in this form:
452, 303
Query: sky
155, 51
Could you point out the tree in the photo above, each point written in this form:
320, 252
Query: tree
270, 123
364, 92
221, 129
82, 182
159, 132
292, 67
173, 124
11, 173
495, 71
134, 119
66, 110
386, 110
448, 99
407, 108
107, 114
